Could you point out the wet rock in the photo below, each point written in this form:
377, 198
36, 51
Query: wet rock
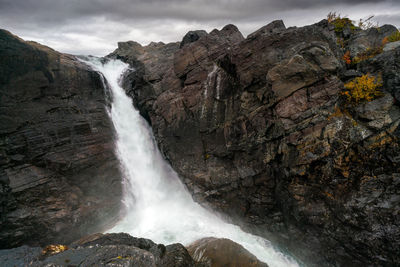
59, 174
177, 255
258, 129
21, 256
108, 255
102, 250
120, 239
219, 252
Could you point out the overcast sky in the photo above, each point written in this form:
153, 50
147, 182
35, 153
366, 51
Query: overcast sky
95, 26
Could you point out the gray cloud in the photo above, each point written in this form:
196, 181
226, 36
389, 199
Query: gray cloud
95, 26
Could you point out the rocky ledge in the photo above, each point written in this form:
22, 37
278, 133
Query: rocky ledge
260, 128
59, 177
125, 250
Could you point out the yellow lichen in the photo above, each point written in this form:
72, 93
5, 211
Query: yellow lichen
381, 141
338, 112
364, 88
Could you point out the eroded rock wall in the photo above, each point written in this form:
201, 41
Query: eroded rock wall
59, 177
257, 128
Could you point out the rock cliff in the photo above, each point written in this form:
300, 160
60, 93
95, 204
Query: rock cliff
260, 129
59, 177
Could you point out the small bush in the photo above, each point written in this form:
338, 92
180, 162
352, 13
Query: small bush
340, 22
364, 88
346, 57
367, 23
394, 37
332, 16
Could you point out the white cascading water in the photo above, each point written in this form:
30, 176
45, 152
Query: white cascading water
158, 205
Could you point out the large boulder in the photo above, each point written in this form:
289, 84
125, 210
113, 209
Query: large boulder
59, 176
222, 252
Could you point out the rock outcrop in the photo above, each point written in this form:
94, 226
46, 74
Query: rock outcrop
258, 129
125, 250
59, 177
222, 252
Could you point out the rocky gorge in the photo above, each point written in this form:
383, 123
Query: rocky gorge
258, 128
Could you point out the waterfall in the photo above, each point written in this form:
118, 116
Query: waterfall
158, 205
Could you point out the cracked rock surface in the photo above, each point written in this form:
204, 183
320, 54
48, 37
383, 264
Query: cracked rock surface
59, 176
256, 127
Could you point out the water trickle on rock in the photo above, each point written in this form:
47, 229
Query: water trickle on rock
158, 206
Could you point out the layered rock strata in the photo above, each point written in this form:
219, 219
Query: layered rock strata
59, 176
257, 128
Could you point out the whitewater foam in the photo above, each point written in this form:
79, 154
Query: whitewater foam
158, 206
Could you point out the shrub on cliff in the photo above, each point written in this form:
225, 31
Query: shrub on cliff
394, 37
341, 23
346, 57
367, 23
364, 88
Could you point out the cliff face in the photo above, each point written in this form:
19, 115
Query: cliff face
257, 128
59, 177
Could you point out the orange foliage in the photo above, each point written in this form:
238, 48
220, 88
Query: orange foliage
385, 41
366, 87
346, 57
